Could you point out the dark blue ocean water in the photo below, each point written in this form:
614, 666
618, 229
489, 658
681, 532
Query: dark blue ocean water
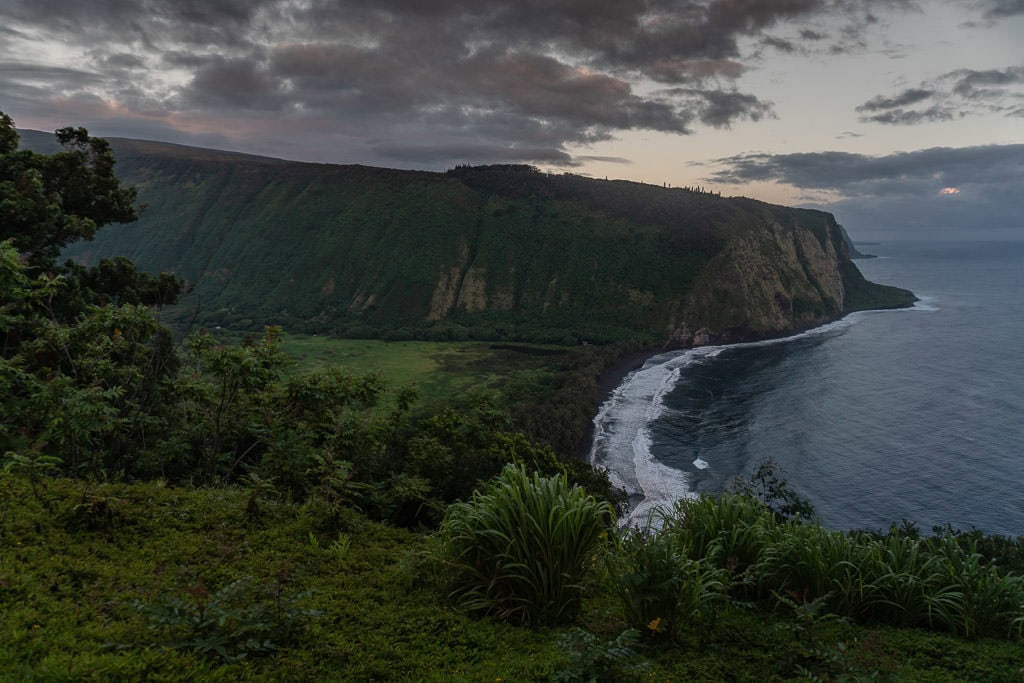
889, 415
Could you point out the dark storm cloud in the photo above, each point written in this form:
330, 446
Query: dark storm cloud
952, 95
235, 82
501, 79
903, 192
473, 153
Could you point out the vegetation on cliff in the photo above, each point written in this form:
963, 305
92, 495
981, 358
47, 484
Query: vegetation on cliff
203, 510
496, 253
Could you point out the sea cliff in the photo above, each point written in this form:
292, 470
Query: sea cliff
496, 252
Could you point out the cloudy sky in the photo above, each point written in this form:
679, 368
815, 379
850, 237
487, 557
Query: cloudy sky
904, 117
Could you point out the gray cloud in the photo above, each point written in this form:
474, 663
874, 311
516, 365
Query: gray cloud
780, 44
909, 117
952, 95
514, 79
810, 34
905, 98
722, 108
902, 191
971, 83
1000, 9
860, 174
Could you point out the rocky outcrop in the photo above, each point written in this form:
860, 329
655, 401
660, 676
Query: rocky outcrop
767, 282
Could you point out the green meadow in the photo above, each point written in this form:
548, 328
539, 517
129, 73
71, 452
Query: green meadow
443, 371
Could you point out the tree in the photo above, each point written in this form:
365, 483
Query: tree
83, 361
48, 201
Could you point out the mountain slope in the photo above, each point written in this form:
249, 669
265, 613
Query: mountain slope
485, 252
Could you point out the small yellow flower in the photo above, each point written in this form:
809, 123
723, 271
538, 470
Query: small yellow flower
655, 624
35, 625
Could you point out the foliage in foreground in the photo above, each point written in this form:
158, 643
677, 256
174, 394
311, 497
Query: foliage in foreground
521, 547
83, 582
894, 579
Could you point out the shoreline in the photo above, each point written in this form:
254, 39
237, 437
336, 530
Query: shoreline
611, 377
607, 382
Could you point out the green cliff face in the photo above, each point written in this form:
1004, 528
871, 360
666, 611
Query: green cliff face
488, 252
790, 272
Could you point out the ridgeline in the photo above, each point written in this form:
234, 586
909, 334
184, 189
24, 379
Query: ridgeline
492, 252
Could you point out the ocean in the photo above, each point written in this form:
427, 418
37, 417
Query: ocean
883, 416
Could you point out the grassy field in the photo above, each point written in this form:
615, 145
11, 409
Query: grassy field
445, 372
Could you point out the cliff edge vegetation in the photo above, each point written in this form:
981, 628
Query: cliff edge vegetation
492, 252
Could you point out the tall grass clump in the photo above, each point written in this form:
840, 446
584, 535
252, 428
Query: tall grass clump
520, 548
974, 598
663, 589
807, 562
896, 579
730, 530
908, 576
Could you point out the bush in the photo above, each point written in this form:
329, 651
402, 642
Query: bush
730, 530
974, 598
520, 548
662, 589
808, 562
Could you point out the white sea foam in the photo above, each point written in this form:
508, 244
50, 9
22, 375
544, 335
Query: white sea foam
701, 464
622, 434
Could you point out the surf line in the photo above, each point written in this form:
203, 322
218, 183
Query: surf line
622, 427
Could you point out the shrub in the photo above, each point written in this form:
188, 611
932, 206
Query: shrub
768, 485
233, 623
974, 597
806, 562
520, 548
593, 660
730, 530
662, 589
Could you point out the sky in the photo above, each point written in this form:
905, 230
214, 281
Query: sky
905, 118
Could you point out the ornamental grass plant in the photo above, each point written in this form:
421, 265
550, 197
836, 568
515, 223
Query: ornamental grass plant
522, 546
663, 591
